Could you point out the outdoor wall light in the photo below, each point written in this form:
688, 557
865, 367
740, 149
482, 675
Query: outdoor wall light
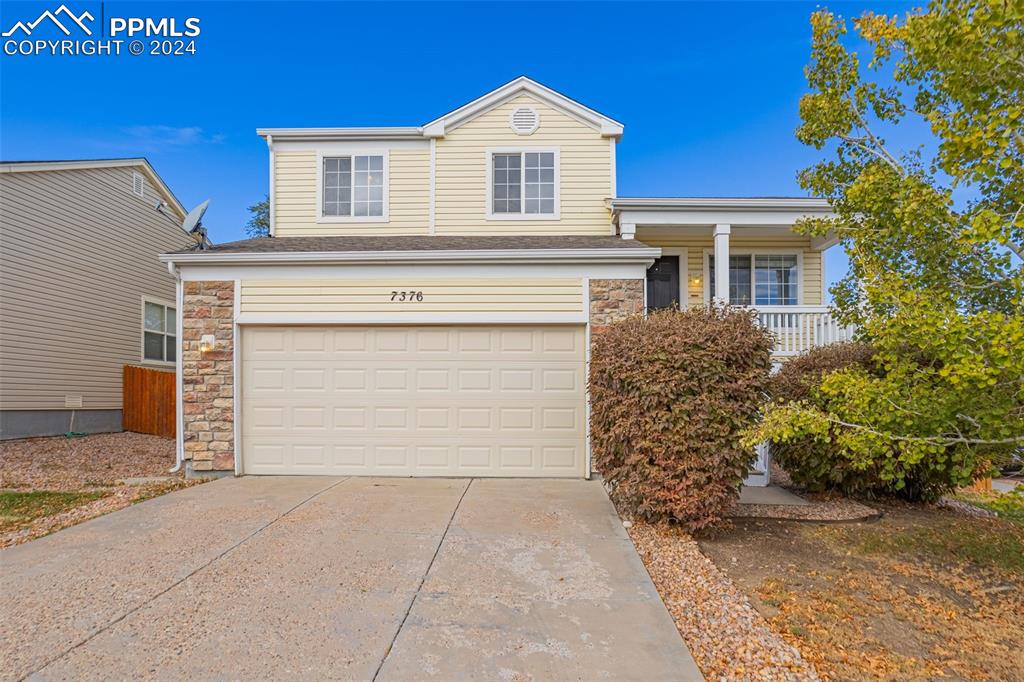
206, 343
695, 280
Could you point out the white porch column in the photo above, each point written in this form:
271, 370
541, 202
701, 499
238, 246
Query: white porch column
722, 263
627, 230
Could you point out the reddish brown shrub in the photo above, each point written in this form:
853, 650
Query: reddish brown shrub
670, 395
797, 378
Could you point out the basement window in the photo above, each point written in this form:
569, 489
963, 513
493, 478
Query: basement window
159, 332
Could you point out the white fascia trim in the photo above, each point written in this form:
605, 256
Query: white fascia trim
34, 166
588, 448
453, 119
319, 134
273, 172
236, 376
708, 203
179, 382
195, 272
444, 318
141, 163
633, 255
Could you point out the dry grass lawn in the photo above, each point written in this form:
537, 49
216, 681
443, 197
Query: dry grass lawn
920, 594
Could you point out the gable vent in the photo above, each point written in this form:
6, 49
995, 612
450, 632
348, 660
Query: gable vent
137, 184
524, 120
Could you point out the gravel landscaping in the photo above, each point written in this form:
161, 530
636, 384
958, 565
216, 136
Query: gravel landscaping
59, 463
727, 637
95, 466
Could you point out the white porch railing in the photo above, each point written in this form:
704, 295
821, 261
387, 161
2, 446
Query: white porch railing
800, 327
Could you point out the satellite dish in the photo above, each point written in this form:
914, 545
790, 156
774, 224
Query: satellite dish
194, 224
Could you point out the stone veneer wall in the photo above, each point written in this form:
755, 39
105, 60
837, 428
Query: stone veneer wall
612, 300
208, 378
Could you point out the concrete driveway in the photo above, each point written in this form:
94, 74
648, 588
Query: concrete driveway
357, 578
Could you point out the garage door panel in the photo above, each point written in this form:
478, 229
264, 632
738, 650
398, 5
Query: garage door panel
558, 344
441, 401
510, 379
521, 419
471, 458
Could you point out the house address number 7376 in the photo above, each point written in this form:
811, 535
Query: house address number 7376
410, 296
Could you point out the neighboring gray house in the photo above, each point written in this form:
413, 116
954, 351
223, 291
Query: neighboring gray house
82, 290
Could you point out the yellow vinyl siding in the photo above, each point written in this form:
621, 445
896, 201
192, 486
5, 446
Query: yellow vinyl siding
408, 197
305, 297
584, 176
695, 247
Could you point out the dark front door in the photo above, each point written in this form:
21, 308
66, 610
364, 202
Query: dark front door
663, 283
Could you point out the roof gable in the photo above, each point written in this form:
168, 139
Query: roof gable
140, 164
522, 85
440, 126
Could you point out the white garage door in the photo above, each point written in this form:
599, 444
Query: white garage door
414, 401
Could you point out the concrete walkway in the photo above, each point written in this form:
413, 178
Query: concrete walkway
312, 578
770, 494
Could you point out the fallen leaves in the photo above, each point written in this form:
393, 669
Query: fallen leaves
902, 610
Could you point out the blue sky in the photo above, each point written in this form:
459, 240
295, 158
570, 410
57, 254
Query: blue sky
708, 91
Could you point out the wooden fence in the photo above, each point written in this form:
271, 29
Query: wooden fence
149, 401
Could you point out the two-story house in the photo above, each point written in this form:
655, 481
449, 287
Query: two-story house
425, 302
82, 290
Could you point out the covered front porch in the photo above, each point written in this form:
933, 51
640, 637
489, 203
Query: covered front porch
772, 269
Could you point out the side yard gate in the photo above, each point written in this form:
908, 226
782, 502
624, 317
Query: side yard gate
149, 397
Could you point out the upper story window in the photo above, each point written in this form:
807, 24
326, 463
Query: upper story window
159, 334
760, 279
353, 186
523, 184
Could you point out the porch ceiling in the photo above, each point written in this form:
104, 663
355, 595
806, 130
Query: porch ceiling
661, 233
655, 218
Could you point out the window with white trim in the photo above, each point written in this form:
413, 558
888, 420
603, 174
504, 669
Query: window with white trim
159, 333
523, 183
761, 279
353, 186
